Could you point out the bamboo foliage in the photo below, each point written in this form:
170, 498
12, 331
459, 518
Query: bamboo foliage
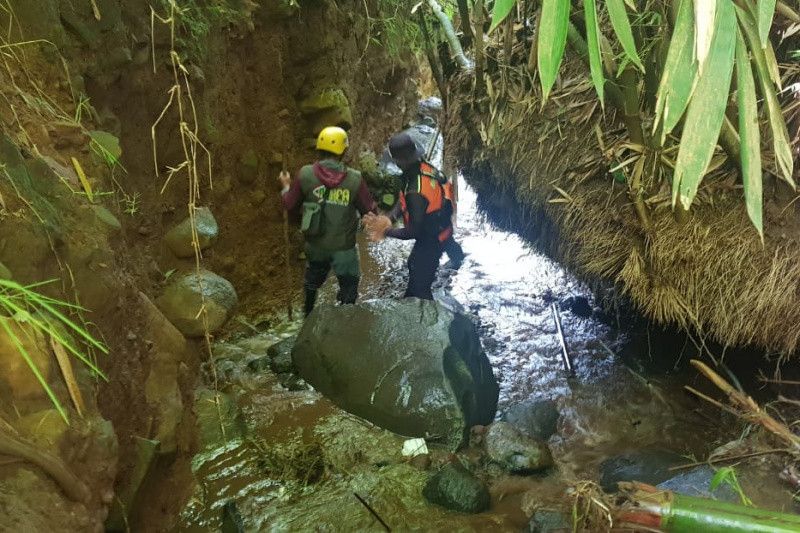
702, 44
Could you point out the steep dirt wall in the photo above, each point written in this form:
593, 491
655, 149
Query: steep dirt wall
546, 169
255, 72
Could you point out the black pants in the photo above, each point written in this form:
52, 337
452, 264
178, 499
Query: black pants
454, 251
422, 265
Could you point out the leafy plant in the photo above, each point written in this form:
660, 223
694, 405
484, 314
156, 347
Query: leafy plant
25, 313
684, 53
727, 476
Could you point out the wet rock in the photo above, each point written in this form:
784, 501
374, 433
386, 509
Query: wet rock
126, 495
651, 466
183, 298
179, 238
44, 428
107, 218
430, 107
162, 391
5, 273
577, 305
16, 377
516, 452
218, 418
422, 461
548, 521
280, 355
455, 488
327, 107
232, 521
537, 419
410, 366
697, 482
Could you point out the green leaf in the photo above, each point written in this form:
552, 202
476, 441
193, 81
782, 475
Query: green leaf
706, 109
719, 476
704, 16
593, 43
749, 135
552, 41
766, 10
500, 11
780, 135
622, 27
680, 73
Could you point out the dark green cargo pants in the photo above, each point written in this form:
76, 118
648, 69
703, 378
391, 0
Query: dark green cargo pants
345, 266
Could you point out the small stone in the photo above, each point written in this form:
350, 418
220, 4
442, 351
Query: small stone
143, 231
280, 355
284, 113
697, 482
184, 298
537, 419
650, 465
180, 239
456, 488
132, 336
547, 521
516, 452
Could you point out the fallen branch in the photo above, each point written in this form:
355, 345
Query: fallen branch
450, 34
748, 408
54, 467
372, 511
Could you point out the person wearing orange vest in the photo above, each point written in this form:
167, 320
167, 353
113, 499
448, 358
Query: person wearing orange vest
427, 209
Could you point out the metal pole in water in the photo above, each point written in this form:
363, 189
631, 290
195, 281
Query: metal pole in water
560, 332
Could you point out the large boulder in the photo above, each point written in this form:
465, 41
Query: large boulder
410, 366
649, 465
180, 239
516, 452
535, 418
184, 297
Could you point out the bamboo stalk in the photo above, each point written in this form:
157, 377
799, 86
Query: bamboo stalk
432, 59
466, 27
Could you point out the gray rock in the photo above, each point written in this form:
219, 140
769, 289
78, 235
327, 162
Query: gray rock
516, 452
537, 419
548, 521
697, 482
216, 424
183, 299
281, 355
577, 305
410, 366
651, 466
455, 488
179, 238
5, 273
145, 455
428, 110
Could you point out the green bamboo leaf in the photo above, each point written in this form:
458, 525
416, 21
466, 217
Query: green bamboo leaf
706, 109
622, 27
500, 11
704, 16
772, 65
766, 10
552, 41
593, 43
680, 73
749, 135
780, 135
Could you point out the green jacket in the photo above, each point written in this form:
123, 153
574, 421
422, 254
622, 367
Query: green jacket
343, 192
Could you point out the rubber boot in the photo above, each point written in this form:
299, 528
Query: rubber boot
348, 289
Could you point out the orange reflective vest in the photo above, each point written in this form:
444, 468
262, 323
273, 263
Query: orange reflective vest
439, 196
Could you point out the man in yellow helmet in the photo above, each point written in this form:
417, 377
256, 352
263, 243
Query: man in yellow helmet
332, 197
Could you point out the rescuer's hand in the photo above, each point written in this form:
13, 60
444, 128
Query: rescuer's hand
285, 179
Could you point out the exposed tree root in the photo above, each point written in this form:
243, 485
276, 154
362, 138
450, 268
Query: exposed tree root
54, 467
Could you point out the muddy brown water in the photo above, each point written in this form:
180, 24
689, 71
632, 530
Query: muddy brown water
507, 287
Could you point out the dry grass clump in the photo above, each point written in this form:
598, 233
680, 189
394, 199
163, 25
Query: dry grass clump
294, 459
709, 273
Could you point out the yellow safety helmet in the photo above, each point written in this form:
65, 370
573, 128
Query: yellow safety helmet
333, 139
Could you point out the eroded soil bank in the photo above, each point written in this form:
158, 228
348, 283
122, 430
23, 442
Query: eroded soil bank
86, 199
